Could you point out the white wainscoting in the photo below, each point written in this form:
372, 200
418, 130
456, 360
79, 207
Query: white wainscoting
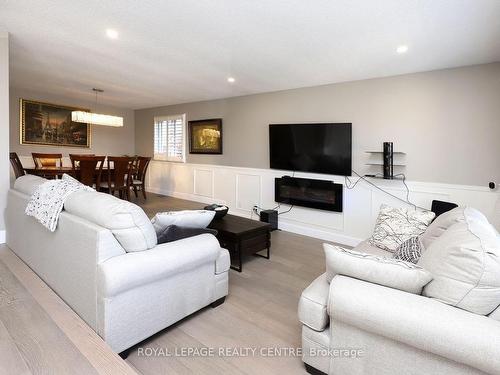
242, 188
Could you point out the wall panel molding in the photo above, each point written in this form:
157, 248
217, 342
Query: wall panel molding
241, 188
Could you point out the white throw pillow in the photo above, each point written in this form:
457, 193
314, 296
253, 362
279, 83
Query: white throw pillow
185, 218
397, 225
388, 272
465, 264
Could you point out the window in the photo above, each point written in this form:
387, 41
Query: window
169, 138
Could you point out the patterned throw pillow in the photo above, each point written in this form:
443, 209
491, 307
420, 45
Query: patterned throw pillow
410, 250
396, 225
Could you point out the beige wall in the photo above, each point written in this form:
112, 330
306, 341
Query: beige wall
105, 140
4, 128
448, 122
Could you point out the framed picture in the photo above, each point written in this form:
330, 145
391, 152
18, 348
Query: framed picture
51, 125
205, 136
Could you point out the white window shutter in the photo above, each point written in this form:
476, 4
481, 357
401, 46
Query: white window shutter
169, 138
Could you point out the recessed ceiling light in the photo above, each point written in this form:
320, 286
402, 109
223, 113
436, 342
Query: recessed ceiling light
112, 33
231, 79
402, 49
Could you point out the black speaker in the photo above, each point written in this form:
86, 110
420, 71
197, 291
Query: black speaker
271, 217
388, 161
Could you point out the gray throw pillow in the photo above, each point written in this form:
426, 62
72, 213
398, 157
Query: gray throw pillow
173, 233
410, 250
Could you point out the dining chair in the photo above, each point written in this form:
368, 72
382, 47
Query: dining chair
139, 178
74, 163
17, 166
87, 169
42, 160
46, 160
119, 176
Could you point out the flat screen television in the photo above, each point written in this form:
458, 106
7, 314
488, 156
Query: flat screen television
318, 148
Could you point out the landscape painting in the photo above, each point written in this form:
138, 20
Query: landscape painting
205, 136
50, 124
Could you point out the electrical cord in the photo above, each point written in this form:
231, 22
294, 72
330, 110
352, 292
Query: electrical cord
285, 212
407, 200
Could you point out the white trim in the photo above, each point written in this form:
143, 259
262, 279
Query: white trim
349, 227
2, 236
413, 184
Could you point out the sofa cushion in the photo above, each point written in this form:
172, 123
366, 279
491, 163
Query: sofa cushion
184, 218
378, 270
446, 220
313, 303
465, 264
27, 184
127, 221
396, 225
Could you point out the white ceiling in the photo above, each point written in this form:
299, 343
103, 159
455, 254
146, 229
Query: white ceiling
173, 51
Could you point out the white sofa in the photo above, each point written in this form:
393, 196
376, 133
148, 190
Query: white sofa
103, 261
397, 332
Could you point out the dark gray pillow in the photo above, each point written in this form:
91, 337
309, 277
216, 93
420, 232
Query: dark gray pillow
410, 250
173, 233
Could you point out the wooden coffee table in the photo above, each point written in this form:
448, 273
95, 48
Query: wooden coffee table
242, 237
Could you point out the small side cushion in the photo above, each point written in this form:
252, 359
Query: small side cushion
388, 272
313, 303
174, 233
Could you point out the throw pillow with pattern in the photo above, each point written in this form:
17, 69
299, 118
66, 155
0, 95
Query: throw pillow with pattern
396, 225
410, 250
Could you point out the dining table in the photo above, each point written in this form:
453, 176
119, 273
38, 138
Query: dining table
51, 171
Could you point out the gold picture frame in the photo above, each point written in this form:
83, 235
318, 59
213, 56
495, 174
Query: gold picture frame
50, 124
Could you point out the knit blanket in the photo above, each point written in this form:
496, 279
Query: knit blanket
47, 201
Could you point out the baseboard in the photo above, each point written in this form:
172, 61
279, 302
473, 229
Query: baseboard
2, 236
320, 234
283, 225
186, 196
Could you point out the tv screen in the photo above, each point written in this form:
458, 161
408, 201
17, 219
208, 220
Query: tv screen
318, 148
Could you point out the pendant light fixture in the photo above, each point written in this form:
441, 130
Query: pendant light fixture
96, 118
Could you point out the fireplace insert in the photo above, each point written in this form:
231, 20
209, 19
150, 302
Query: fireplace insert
320, 194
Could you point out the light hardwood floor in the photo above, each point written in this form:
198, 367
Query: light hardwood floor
260, 311
40, 334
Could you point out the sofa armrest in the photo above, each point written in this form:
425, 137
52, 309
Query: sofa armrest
417, 321
130, 270
313, 303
